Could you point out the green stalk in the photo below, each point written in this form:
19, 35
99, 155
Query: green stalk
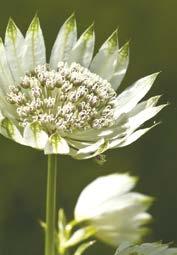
51, 205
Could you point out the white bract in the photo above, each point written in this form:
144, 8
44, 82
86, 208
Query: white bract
115, 212
69, 105
146, 249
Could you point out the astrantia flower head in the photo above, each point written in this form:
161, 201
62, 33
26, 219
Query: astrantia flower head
115, 212
69, 104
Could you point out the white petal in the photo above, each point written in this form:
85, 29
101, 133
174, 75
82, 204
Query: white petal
82, 52
91, 148
93, 135
142, 218
151, 102
64, 43
56, 145
9, 130
132, 95
34, 52
130, 138
144, 115
78, 144
116, 238
90, 135
119, 130
5, 75
121, 66
103, 63
124, 206
7, 109
115, 142
118, 215
34, 136
96, 193
134, 136
140, 114
14, 44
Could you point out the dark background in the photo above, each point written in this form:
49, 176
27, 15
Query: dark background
151, 25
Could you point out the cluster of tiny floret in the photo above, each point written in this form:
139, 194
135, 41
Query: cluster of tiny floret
66, 99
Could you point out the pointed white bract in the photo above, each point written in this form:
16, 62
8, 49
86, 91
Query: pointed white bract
103, 63
34, 136
121, 66
14, 44
70, 105
6, 78
56, 145
34, 51
64, 43
115, 212
82, 52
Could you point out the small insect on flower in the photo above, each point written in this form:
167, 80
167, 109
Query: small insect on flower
115, 213
69, 105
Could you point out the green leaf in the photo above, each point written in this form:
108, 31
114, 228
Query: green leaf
146, 249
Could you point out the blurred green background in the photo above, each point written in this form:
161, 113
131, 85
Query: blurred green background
152, 28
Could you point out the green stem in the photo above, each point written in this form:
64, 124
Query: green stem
51, 205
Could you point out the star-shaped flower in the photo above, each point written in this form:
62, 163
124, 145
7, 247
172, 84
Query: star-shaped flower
69, 105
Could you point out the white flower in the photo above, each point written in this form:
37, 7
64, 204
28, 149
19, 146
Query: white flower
70, 105
116, 214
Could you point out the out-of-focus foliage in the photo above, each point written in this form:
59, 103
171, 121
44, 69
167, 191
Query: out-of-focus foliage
146, 249
151, 27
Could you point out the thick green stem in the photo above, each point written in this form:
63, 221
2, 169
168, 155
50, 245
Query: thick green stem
51, 205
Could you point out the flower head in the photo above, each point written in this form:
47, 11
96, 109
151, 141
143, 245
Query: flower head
69, 104
115, 212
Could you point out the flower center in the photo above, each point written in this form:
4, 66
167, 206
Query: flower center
64, 100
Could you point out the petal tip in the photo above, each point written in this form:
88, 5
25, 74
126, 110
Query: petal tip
35, 24
89, 32
11, 27
155, 75
124, 50
71, 22
148, 201
113, 40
